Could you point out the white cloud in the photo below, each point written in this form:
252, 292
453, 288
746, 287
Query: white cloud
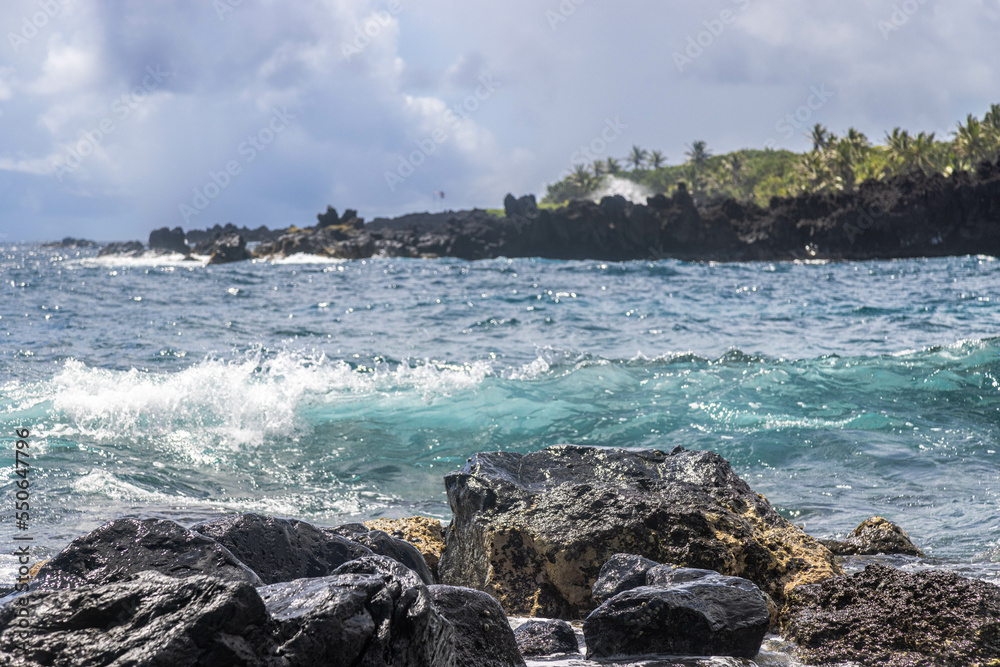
67, 69
6, 77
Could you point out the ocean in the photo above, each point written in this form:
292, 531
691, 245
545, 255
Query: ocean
339, 391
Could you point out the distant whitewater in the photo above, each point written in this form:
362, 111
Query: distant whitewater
630, 190
335, 392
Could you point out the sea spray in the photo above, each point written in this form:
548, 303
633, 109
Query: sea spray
613, 186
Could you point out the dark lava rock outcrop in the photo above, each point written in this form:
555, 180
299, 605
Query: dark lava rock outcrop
151, 619
282, 549
257, 235
540, 638
534, 530
915, 215
909, 216
123, 249
883, 616
223, 249
875, 536
168, 240
125, 547
70, 243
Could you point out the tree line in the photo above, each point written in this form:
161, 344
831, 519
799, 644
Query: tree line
834, 163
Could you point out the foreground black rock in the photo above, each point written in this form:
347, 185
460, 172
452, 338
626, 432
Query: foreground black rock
355, 619
483, 637
125, 547
534, 530
883, 616
539, 638
150, 620
675, 610
383, 544
282, 549
621, 572
149, 592
382, 566
705, 617
426, 534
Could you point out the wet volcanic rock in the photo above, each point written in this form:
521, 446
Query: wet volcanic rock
883, 616
540, 638
426, 534
150, 620
483, 637
125, 547
706, 617
875, 536
282, 549
383, 544
534, 530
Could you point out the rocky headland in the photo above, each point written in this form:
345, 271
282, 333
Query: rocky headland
657, 553
916, 215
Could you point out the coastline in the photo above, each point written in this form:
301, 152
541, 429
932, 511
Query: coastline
904, 217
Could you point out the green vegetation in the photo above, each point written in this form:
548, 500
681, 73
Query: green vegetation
835, 163
500, 213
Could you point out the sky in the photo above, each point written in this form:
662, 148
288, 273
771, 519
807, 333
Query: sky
121, 116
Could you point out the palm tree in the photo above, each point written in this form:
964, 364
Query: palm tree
583, 181
697, 155
899, 146
612, 166
598, 168
857, 139
657, 159
637, 157
820, 137
813, 171
734, 166
971, 142
923, 153
992, 118
846, 155
991, 122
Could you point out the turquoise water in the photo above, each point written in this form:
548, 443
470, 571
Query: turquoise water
338, 391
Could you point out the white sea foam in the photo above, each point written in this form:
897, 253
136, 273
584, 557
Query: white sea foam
302, 258
537, 368
234, 404
631, 190
102, 482
146, 260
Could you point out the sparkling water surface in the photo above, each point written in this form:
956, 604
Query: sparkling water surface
336, 391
